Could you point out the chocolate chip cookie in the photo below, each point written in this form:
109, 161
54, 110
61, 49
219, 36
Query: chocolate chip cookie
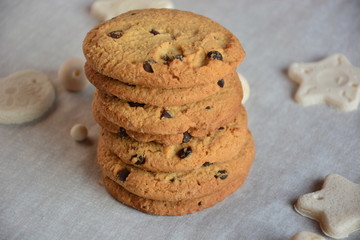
169, 207
221, 145
177, 186
163, 48
152, 96
197, 118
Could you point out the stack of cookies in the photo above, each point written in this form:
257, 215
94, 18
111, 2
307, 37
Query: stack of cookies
174, 136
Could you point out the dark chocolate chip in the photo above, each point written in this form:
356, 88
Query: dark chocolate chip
139, 159
222, 174
187, 137
147, 67
116, 34
199, 203
215, 55
133, 13
130, 85
206, 164
172, 180
221, 83
208, 108
179, 57
185, 152
122, 132
135, 104
153, 31
166, 59
221, 128
123, 174
165, 114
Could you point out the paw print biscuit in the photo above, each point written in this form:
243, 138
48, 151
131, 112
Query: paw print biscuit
25, 96
333, 81
336, 206
176, 186
163, 48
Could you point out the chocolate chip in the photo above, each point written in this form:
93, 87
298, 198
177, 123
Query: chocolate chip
139, 159
122, 132
222, 174
133, 14
123, 174
172, 180
166, 58
153, 31
199, 203
221, 128
208, 108
165, 114
179, 57
215, 55
147, 67
187, 137
116, 34
135, 104
206, 164
221, 83
185, 152
130, 85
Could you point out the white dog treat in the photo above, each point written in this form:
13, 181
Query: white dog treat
107, 9
333, 81
71, 74
245, 87
25, 96
307, 236
79, 132
336, 206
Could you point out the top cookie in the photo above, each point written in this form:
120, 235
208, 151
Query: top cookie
162, 48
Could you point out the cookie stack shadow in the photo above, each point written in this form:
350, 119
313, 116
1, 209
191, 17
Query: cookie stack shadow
169, 144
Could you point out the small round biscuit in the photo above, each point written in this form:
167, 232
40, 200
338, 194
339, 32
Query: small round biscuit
25, 96
72, 75
79, 132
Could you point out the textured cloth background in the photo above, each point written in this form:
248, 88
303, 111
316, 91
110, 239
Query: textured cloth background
49, 184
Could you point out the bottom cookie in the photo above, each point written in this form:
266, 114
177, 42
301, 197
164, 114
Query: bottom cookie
171, 208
